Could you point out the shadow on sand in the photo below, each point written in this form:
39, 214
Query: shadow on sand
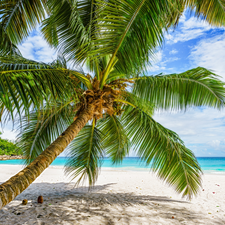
64, 204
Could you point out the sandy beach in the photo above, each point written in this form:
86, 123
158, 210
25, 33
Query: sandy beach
120, 196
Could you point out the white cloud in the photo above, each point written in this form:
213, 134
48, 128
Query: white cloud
158, 57
201, 129
210, 53
8, 134
183, 17
188, 29
167, 60
156, 61
36, 48
159, 65
173, 52
215, 143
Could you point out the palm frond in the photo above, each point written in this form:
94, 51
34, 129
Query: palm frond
164, 151
137, 102
6, 45
18, 62
115, 142
23, 88
70, 27
130, 31
85, 153
116, 75
60, 62
42, 128
88, 31
211, 10
19, 17
195, 87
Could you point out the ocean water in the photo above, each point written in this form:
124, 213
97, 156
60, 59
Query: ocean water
208, 164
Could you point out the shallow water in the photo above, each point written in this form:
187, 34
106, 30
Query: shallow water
208, 164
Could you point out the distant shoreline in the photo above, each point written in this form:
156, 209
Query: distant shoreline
8, 157
208, 164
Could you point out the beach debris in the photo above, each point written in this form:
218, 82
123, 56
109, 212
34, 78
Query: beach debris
52, 214
214, 192
24, 202
172, 217
40, 199
203, 189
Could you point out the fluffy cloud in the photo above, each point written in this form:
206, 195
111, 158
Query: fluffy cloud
188, 29
9, 134
155, 64
173, 52
159, 63
202, 129
36, 48
210, 53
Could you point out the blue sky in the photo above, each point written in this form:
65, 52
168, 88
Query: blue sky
193, 43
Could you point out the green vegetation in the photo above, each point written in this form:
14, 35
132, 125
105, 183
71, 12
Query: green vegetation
7, 147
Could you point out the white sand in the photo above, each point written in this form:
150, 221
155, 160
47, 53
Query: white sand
119, 197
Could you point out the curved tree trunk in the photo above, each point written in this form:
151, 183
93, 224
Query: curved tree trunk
18, 183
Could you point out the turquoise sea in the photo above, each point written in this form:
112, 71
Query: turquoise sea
208, 164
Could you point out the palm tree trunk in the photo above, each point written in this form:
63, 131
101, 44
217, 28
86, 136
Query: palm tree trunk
18, 183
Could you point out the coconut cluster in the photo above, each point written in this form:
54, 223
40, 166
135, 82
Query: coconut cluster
103, 100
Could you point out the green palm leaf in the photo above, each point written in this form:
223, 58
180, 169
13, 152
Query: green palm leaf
211, 10
195, 87
116, 142
25, 83
33, 86
125, 26
85, 153
42, 128
18, 62
70, 27
60, 62
6, 46
164, 151
18, 17
137, 102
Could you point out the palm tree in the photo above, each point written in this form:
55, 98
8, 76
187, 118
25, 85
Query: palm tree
109, 111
